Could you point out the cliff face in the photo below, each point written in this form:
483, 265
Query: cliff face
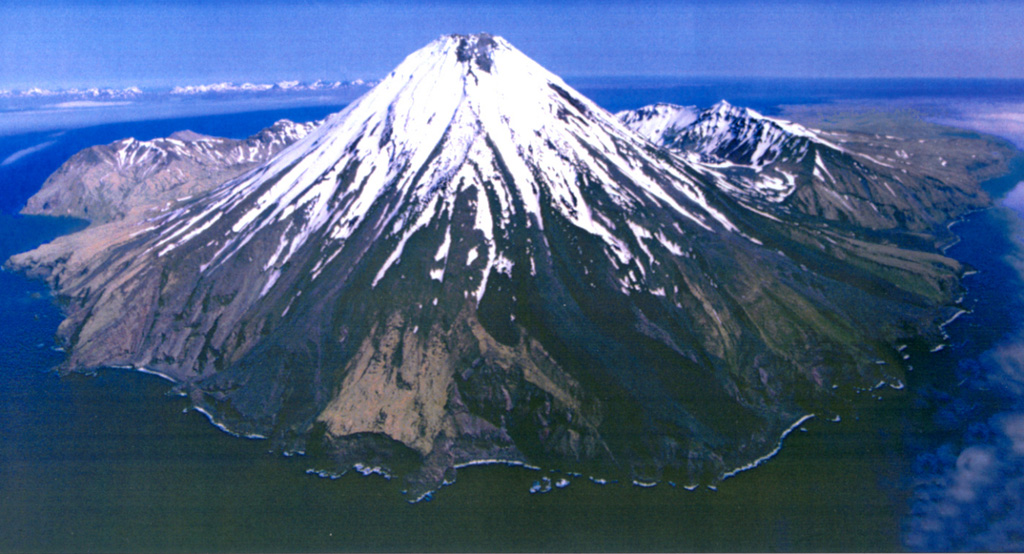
475, 262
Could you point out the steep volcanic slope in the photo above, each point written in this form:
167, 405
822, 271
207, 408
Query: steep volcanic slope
473, 262
107, 183
798, 171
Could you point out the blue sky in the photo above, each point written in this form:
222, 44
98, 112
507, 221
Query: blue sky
57, 43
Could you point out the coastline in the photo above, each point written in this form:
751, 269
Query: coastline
770, 455
952, 474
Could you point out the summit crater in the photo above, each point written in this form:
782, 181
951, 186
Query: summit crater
477, 49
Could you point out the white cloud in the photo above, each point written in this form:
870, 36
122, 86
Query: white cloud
26, 152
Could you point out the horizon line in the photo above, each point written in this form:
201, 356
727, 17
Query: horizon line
72, 89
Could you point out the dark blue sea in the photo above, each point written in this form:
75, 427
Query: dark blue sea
112, 462
767, 94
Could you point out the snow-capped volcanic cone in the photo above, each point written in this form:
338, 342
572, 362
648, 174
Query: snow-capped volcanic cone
475, 262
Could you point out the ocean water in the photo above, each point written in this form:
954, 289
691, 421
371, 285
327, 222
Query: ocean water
110, 461
965, 432
768, 94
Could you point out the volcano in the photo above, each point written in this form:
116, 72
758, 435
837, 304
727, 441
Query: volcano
475, 263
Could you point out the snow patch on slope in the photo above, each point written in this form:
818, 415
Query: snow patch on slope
436, 127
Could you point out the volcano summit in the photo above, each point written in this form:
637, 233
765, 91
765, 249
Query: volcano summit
473, 262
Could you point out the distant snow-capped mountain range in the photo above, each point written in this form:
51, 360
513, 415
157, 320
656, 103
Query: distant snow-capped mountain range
92, 93
134, 92
319, 84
